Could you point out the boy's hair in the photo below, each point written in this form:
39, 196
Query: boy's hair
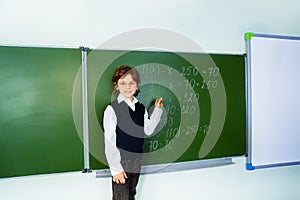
121, 72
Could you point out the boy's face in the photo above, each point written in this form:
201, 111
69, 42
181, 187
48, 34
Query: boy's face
127, 86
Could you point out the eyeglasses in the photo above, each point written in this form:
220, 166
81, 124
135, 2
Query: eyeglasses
129, 84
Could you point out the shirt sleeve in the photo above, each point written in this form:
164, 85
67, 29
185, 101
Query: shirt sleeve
111, 151
151, 123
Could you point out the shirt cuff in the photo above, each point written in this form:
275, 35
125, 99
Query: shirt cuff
115, 171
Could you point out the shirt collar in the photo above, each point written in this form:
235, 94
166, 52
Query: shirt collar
126, 100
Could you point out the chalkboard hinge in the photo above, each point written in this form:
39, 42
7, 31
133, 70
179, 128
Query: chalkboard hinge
82, 48
86, 171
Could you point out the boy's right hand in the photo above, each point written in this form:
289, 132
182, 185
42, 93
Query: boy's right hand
120, 178
158, 102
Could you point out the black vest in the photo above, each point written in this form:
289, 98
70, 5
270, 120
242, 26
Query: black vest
130, 129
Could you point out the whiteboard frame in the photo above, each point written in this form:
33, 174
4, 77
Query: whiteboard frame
256, 154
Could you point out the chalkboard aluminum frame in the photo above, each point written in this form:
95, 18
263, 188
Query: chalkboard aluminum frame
249, 95
171, 166
85, 110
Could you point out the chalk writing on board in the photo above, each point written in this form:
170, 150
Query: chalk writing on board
181, 103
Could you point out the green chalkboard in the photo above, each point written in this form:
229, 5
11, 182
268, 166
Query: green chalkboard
38, 134
204, 103
41, 108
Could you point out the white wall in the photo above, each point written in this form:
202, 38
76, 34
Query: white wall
216, 25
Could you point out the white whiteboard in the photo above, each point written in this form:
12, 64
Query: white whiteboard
273, 100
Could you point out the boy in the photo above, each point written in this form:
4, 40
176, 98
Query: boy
126, 122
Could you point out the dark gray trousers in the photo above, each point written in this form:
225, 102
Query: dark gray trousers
126, 191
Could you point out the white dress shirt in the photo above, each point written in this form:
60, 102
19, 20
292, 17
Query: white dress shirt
110, 122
